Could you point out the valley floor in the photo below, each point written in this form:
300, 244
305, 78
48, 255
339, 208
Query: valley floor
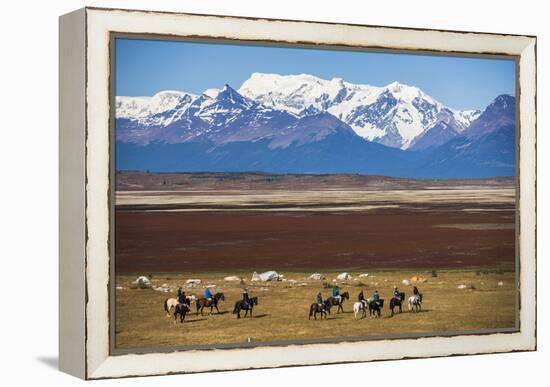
174, 227
282, 312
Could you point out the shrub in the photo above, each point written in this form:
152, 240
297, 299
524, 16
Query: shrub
434, 273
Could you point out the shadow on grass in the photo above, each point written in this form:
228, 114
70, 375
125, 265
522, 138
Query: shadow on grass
212, 314
194, 320
407, 313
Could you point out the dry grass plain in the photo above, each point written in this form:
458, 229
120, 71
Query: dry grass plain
282, 313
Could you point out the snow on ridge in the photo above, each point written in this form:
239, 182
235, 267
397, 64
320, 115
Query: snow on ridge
145, 106
212, 92
394, 114
132, 107
466, 117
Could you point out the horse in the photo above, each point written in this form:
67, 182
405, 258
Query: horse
334, 301
375, 307
201, 303
182, 310
242, 305
360, 307
397, 301
415, 302
170, 303
316, 308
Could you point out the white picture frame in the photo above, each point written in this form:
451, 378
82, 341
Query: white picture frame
85, 190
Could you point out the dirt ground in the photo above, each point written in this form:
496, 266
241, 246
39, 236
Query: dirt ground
200, 241
282, 312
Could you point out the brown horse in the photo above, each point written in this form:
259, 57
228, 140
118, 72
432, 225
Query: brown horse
334, 301
316, 308
201, 303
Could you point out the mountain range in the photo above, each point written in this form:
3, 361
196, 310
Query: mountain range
305, 124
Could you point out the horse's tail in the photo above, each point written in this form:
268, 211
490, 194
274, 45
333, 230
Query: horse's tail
166, 305
311, 310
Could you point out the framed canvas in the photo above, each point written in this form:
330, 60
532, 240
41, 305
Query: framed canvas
241, 193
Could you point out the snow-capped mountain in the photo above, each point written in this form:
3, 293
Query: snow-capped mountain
306, 124
393, 115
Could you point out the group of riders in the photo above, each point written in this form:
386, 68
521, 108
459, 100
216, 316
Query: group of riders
184, 300
246, 301
361, 297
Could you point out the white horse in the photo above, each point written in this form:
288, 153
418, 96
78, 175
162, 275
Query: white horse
170, 303
415, 303
360, 307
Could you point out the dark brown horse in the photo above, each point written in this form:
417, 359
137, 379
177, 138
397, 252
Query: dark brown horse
212, 303
334, 301
246, 306
181, 310
375, 307
397, 302
316, 308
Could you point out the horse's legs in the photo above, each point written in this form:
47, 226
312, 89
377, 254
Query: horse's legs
216, 306
251, 309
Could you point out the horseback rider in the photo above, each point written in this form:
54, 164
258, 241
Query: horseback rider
246, 299
319, 299
208, 294
336, 294
376, 296
361, 296
415, 291
182, 299
396, 293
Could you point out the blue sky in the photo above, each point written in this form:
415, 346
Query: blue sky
145, 67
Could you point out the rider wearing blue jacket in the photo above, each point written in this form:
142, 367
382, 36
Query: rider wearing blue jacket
376, 296
207, 293
335, 291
